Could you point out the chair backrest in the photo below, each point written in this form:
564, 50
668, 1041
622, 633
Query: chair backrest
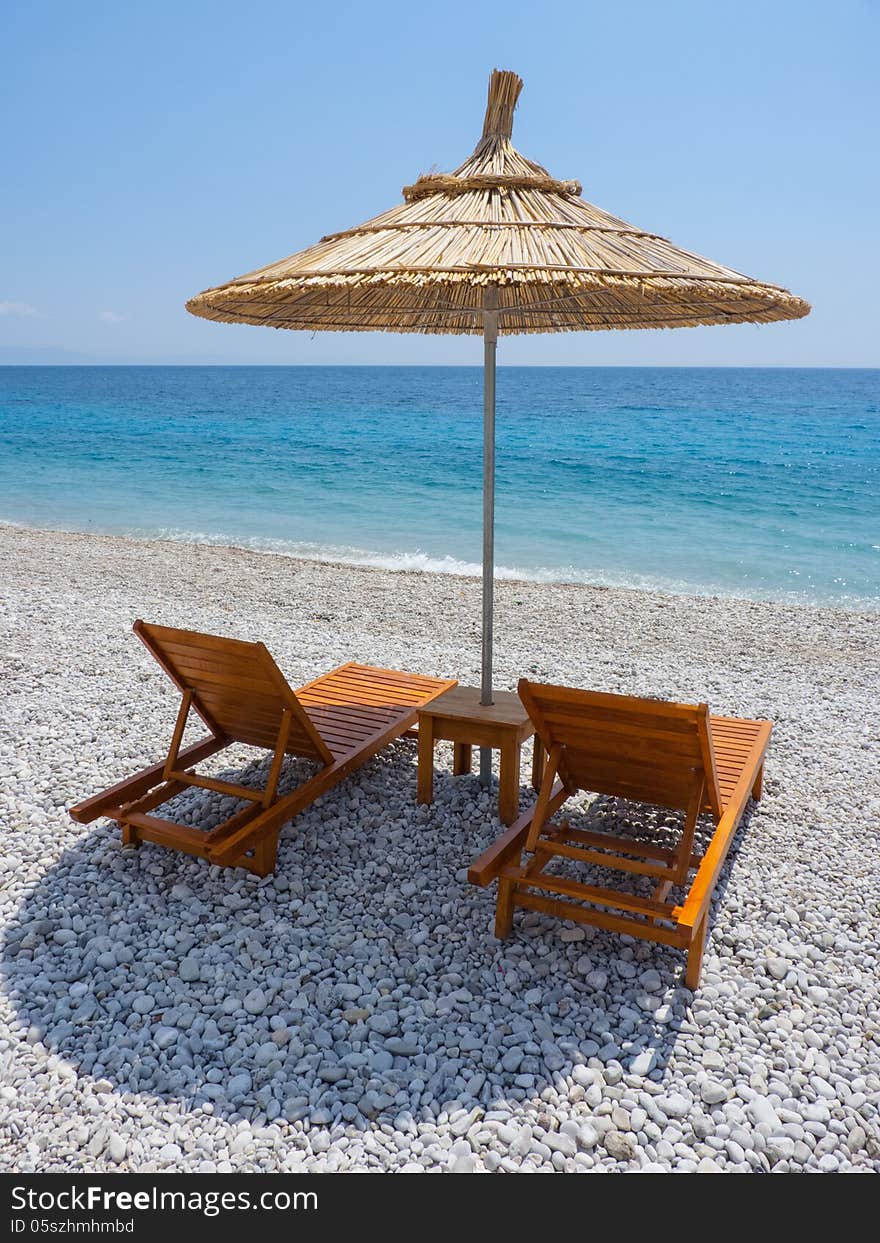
237, 689
641, 749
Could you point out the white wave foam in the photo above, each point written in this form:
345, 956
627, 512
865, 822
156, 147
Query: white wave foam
418, 562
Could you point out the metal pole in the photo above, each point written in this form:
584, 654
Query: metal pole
490, 340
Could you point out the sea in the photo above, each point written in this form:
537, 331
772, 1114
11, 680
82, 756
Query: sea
754, 483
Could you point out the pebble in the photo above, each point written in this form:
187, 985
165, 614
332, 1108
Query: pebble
643, 1063
674, 1105
778, 968
353, 1010
713, 1092
255, 1002
561, 1143
238, 1086
619, 1146
462, 1158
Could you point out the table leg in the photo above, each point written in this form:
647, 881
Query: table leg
537, 764
426, 760
508, 786
461, 761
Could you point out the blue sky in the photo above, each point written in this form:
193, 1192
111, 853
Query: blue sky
152, 150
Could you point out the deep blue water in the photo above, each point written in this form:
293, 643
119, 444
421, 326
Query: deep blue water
755, 482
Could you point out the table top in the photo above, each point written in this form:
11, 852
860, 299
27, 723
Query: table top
463, 703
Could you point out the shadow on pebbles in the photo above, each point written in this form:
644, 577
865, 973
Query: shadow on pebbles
354, 1011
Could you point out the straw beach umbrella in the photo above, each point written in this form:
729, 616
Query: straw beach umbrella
498, 247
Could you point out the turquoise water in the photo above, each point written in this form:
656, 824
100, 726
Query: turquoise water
756, 483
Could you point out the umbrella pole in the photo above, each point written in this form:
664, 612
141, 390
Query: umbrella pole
490, 340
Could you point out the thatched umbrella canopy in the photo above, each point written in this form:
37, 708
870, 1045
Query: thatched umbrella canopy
499, 246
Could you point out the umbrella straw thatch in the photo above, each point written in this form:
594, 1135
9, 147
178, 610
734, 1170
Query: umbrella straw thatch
559, 263
500, 246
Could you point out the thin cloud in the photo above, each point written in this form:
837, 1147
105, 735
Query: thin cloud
112, 317
17, 308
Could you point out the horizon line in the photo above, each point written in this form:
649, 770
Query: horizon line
472, 366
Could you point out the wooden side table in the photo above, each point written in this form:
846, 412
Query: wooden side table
457, 716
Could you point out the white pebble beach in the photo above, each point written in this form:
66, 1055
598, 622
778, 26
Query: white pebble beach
354, 1011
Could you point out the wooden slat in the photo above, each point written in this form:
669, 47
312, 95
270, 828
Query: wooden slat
592, 893
234, 708
616, 862
357, 717
364, 695
176, 737
510, 844
423, 684
330, 729
699, 896
620, 730
382, 685
241, 684
600, 919
231, 788
731, 757
363, 678
669, 769
133, 787
734, 738
250, 681
599, 701
738, 724
162, 794
352, 709
291, 804
624, 845
151, 643
173, 637
656, 789
167, 833
233, 824
254, 706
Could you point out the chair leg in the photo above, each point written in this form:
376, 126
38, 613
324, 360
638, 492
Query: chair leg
686, 845
537, 764
425, 778
265, 854
695, 954
660, 894
130, 836
504, 908
539, 813
758, 787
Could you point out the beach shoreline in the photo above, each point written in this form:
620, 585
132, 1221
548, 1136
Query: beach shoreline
734, 485
121, 1054
399, 564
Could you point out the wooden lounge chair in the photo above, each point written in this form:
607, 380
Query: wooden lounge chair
665, 754
339, 721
